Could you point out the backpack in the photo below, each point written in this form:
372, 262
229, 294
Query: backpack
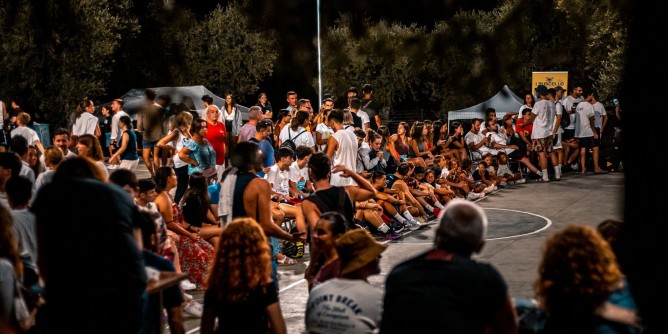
565, 117
290, 142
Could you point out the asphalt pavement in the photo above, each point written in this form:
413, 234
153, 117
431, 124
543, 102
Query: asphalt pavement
520, 219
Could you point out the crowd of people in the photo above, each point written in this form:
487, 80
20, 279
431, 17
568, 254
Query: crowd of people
226, 199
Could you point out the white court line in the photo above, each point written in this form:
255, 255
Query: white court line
549, 223
193, 330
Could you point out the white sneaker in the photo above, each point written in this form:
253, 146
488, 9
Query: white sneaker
413, 224
194, 308
473, 195
488, 190
496, 188
186, 285
520, 181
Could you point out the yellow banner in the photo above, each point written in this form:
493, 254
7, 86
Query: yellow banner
550, 79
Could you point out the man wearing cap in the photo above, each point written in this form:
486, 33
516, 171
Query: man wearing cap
349, 304
542, 117
444, 288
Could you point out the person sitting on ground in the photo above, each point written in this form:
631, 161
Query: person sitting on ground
445, 287
359, 257
481, 174
397, 182
241, 295
503, 170
329, 228
466, 175
393, 203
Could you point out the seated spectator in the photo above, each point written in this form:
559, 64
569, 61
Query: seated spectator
465, 175
440, 188
197, 217
481, 174
504, 171
360, 257
397, 182
88, 146
240, 292
52, 157
393, 203
444, 287
514, 152
328, 229
432, 204
369, 156
418, 144
584, 292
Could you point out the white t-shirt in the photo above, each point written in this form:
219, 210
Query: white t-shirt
559, 110
116, 132
305, 139
29, 134
279, 180
298, 174
582, 114
342, 305
519, 113
544, 121
346, 154
475, 138
86, 123
599, 112
325, 132
365, 118
568, 102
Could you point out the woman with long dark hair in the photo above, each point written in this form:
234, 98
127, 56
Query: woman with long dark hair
196, 213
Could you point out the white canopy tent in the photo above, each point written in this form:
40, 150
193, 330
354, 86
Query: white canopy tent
503, 102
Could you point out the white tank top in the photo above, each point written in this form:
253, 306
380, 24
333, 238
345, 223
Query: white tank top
346, 154
178, 144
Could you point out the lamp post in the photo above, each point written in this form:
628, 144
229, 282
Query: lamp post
319, 56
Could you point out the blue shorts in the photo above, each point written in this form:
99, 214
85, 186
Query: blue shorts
148, 144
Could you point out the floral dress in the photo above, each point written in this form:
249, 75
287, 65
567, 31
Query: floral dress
195, 256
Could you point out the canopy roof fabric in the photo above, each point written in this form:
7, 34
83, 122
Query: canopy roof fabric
503, 102
135, 99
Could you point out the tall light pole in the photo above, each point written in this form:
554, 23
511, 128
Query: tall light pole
319, 57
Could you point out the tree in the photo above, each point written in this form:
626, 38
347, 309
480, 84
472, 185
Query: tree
225, 54
55, 53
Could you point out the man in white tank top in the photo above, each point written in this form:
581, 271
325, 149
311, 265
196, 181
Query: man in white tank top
341, 148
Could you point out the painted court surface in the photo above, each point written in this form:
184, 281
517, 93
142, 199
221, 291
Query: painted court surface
520, 219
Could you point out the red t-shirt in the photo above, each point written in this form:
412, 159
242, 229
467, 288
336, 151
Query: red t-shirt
216, 137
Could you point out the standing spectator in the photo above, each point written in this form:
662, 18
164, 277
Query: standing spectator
297, 132
126, 156
84, 120
52, 157
600, 120
197, 151
291, 97
175, 141
11, 269
150, 122
33, 160
262, 133
4, 118
248, 130
89, 146
241, 295
371, 107
341, 148
216, 135
105, 129
265, 105
586, 134
445, 287
11, 166
115, 128
322, 130
19, 145
111, 279
542, 118
569, 142
61, 139
231, 115
22, 129
19, 194
359, 255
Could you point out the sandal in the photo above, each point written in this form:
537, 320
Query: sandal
286, 261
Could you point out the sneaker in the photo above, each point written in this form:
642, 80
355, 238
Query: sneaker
397, 226
503, 184
473, 196
413, 224
186, 285
520, 181
496, 188
390, 235
194, 308
575, 166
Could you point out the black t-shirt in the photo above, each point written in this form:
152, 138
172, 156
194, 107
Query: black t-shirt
246, 317
455, 295
191, 205
372, 108
84, 230
357, 121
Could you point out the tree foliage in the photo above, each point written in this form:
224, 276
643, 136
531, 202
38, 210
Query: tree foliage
225, 54
57, 52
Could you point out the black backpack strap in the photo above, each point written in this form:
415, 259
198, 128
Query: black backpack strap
299, 134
